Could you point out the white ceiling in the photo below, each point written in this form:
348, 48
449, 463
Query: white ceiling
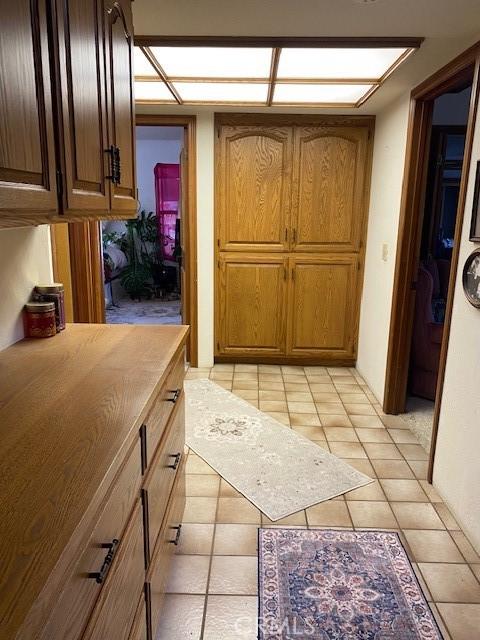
449, 26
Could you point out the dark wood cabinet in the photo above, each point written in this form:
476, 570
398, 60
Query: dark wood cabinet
27, 146
67, 140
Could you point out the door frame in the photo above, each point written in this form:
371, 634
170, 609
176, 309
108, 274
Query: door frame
190, 296
462, 68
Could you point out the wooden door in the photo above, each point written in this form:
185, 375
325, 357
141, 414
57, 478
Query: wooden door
323, 307
83, 105
251, 304
254, 188
27, 147
330, 167
121, 106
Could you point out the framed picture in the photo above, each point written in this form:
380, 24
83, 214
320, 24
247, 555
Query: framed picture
471, 278
475, 224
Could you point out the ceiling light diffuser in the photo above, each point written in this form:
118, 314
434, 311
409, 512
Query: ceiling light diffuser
141, 65
319, 93
155, 91
214, 62
237, 92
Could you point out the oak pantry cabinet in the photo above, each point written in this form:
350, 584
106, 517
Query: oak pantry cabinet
66, 99
291, 217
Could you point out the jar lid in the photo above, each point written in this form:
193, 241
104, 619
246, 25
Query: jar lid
40, 306
54, 287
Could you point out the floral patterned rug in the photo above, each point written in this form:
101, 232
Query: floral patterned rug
278, 470
339, 585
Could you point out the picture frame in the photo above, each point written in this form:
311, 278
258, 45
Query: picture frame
475, 222
471, 278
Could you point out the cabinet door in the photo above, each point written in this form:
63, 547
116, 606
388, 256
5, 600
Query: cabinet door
27, 146
254, 188
323, 307
82, 70
121, 107
251, 305
329, 188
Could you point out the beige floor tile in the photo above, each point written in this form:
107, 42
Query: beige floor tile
338, 371
266, 394
281, 417
236, 575
416, 515
439, 621
335, 420
248, 394
299, 396
446, 516
304, 420
373, 435
476, 570
354, 398
350, 387
294, 519
330, 408
398, 490
421, 580
333, 513
322, 387
273, 405
223, 367
392, 469
294, 370
227, 491
364, 466
382, 451
200, 510
301, 407
196, 465
360, 409
394, 422
299, 378
297, 387
196, 539
340, 434
188, 574
237, 511
451, 582
244, 384
236, 539
202, 485
231, 618
431, 492
215, 374
419, 468
315, 370
273, 383
371, 514
462, 620
246, 368
413, 451
432, 546
225, 384
372, 491
181, 617
403, 436
326, 396
312, 433
244, 375
367, 422
269, 368
465, 547
347, 449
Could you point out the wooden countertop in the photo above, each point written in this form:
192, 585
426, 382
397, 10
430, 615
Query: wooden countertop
70, 408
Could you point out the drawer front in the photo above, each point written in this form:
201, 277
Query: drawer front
158, 417
162, 472
115, 610
158, 572
78, 597
139, 627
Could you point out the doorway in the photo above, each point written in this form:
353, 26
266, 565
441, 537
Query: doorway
439, 145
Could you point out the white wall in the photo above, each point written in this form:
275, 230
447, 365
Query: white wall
457, 464
25, 260
385, 195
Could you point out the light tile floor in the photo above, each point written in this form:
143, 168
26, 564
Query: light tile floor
212, 591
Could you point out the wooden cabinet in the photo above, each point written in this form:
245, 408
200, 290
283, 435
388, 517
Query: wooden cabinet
323, 294
252, 297
67, 126
291, 203
81, 546
27, 145
254, 188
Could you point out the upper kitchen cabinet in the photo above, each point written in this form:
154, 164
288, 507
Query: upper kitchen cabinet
67, 126
28, 187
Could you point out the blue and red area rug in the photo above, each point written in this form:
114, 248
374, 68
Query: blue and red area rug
339, 585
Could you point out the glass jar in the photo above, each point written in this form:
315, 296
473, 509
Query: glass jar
53, 293
40, 320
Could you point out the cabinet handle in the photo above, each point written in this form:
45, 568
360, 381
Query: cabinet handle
176, 395
286, 234
294, 235
112, 550
177, 457
177, 537
114, 153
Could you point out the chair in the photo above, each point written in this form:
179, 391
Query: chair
427, 340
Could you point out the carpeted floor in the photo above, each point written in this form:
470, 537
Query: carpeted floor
154, 311
419, 417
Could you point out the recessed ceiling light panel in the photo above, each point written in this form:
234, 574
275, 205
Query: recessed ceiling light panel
319, 93
142, 66
235, 92
155, 91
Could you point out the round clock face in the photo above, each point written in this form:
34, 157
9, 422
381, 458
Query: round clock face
471, 278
